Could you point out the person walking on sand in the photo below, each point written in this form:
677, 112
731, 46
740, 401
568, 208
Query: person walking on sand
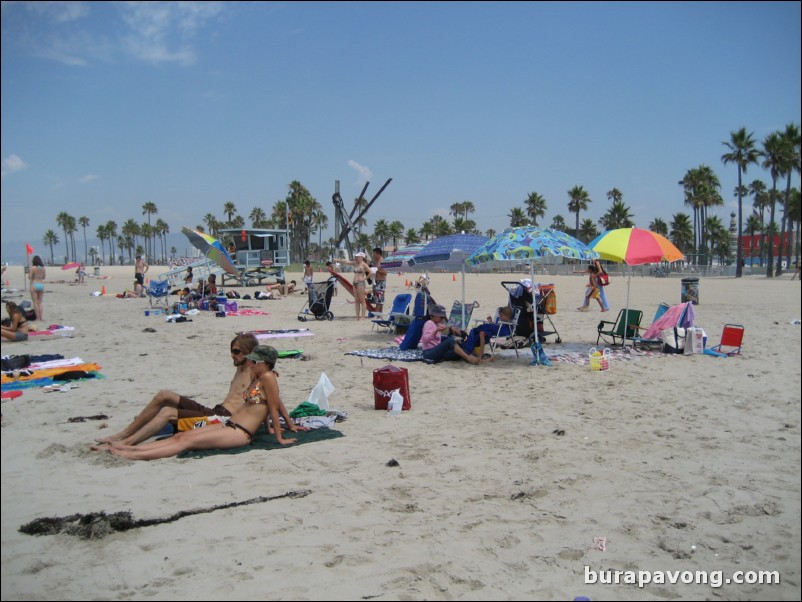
140, 269
261, 406
37, 275
591, 290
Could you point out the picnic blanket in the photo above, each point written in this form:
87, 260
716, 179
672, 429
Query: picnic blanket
264, 441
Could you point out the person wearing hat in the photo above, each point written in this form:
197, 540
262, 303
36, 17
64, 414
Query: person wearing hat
438, 348
262, 401
361, 271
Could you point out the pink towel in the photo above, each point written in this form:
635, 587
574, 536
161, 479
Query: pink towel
670, 319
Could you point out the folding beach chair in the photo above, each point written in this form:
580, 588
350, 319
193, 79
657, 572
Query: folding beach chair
158, 293
623, 329
400, 308
731, 340
455, 318
506, 332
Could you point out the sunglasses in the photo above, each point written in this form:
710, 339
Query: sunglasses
235, 351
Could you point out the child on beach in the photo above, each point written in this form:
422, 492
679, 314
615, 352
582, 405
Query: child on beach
592, 290
478, 336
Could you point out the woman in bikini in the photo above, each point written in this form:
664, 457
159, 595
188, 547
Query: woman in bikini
361, 271
37, 275
18, 328
262, 406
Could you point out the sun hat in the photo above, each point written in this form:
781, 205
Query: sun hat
263, 353
437, 310
360, 254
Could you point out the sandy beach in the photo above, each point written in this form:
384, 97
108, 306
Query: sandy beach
667, 463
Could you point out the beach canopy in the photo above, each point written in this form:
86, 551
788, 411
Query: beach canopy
531, 242
212, 248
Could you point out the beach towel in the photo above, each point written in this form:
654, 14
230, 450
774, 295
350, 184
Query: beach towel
671, 319
266, 442
279, 334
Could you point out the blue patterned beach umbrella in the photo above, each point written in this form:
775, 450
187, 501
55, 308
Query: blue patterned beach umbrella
531, 242
399, 257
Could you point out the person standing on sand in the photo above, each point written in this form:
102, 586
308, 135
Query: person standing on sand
37, 275
379, 279
140, 269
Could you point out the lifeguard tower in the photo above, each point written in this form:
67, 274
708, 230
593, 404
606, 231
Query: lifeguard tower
260, 254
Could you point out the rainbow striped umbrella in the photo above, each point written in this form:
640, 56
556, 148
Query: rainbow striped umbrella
212, 249
635, 246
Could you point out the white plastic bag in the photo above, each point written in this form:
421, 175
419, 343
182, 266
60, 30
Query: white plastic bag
321, 391
396, 403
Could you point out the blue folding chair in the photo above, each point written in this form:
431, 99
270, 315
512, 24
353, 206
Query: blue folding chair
399, 309
158, 293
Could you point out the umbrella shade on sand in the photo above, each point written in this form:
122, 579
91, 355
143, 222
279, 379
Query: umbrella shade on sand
634, 246
447, 248
212, 249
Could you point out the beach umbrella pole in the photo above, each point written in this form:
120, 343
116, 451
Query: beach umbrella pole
626, 309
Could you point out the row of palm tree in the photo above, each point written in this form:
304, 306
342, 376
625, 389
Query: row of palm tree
698, 235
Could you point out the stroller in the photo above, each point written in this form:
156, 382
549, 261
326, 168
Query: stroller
546, 302
322, 301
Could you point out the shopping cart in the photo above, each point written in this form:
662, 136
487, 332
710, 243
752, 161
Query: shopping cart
319, 301
545, 300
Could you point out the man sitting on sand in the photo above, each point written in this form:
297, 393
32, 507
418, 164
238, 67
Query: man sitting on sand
168, 406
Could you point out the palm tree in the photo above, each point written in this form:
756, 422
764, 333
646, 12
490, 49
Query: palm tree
791, 163
456, 209
258, 217
535, 207
396, 232
617, 216
72, 228
775, 153
229, 209
427, 230
130, 231
84, 222
796, 217
111, 232
579, 202
753, 224
381, 232
101, 234
162, 230
50, 238
558, 223
319, 222
587, 230
62, 219
760, 201
682, 234
743, 153
517, 217
659, 226
490, 233
211, 223
411, 237
278, 215
149, 209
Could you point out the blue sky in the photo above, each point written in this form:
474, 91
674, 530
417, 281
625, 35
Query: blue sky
107, 106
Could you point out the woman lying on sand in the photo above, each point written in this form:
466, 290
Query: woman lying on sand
261, 402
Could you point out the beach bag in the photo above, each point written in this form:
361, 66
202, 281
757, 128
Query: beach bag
603, 279
385, 381
673, 340
694, 341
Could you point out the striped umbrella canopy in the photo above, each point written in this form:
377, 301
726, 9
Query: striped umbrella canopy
443, 248
635, 246
531, 242
212, 248
398, 258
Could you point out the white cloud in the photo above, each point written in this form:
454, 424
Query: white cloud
11, 164
160, 31
364, 173
88, 178
60, 12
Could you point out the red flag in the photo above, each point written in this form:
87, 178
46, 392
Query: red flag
28, 249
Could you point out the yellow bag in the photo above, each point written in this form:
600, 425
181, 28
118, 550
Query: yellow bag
196, 422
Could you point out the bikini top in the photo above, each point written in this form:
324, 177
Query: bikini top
255, 395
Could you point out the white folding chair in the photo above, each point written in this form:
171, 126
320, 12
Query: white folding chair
509, 328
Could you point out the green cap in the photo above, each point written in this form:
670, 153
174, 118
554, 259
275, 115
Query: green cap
263, 353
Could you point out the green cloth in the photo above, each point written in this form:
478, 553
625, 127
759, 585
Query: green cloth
264, 441
307, 409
